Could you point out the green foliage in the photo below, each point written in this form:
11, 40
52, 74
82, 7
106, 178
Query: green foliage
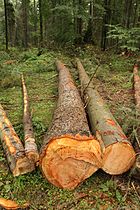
4, 56
127, 38
10, 81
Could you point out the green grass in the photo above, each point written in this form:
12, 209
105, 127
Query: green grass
113, 79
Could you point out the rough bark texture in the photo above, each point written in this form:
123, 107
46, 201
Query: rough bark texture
70, 153
18, 162
136, 168
30, 145
137, 87
118, 154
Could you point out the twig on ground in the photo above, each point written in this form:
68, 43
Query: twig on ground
135, 190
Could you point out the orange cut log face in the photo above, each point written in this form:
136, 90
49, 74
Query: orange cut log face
69, 161
12, 205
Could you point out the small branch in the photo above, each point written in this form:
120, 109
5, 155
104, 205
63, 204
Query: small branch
135, 190
90, 80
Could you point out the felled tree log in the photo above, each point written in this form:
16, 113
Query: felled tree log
18, 162
30, 145
118, 154
70, 153
137, 87
12, 205
136, 168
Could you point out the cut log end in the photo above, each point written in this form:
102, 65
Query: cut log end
23, 166
68, 160
11, 205
33, 157
118, 158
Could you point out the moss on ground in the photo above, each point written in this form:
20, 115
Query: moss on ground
113, 80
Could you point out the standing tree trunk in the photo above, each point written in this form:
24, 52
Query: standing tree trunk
35, 23
88, 37
118, 154
136, 169
30, 145
106, 20
41, 23
79, 24
70, 153
129, 11
6, 23
18, 162
25, 5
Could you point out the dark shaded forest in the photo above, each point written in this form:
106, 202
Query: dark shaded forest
46, 23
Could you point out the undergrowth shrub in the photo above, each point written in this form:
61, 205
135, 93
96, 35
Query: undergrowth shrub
10, 80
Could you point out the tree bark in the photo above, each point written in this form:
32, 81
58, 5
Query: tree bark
137, 87
70, 153
106, 20
6, 23
30, 145
88, 36
41, 23
25, 5
118, 154
18, 162
136, 168
35, 23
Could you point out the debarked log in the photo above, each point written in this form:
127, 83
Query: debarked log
14, 150
135, 172
117, 153
70, 153
30, 144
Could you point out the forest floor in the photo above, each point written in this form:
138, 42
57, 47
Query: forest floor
114, 82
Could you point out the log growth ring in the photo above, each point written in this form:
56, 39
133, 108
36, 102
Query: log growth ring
118, 158
67, 161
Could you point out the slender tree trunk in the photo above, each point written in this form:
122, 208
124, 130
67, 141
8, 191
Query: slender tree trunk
136, 168
104, 28
129, 12
135, 13
88, 37
79, 20
79, 24
25, 22
35, 23
41, 23
70, 154
6, 23
106, 20
30, 144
